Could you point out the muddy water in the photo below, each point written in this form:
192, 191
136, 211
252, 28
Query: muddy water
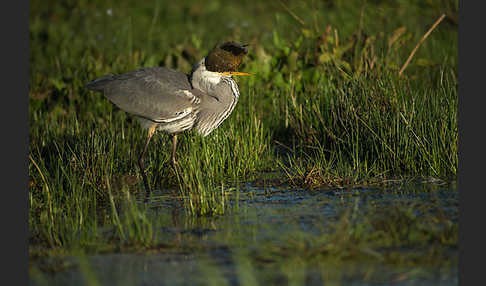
217, 251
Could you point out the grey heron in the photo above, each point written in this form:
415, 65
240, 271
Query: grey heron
172, 101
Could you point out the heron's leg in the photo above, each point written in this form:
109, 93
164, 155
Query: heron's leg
175, 165
141, 164
174, 147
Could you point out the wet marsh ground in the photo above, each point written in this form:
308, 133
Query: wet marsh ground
400, 235
301, 183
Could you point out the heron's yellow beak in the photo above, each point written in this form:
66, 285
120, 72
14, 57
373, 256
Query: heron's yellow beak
234, 73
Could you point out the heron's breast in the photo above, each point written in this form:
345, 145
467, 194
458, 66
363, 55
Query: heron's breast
179, 125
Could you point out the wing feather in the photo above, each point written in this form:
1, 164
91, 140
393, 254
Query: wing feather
159, 94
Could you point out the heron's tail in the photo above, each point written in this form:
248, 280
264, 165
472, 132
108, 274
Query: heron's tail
100, 83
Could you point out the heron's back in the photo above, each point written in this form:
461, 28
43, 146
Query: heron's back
157, 94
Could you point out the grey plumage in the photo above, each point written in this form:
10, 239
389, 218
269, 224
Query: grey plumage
166, 98
155, 94
171, 101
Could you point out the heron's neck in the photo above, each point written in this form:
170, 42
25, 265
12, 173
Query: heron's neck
203, 79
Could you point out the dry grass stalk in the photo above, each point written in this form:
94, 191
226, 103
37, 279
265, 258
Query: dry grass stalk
420, 43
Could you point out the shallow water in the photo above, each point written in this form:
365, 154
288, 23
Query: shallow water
256, 224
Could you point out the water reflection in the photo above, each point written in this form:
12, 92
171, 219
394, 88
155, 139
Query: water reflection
277, 236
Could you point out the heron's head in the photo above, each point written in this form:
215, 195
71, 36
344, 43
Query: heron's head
223, 60
226, 58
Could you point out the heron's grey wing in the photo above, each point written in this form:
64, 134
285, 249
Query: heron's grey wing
158, 94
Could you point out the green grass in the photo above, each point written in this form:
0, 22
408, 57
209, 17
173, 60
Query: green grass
324, 109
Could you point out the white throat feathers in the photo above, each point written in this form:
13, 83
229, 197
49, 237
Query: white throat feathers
203, 79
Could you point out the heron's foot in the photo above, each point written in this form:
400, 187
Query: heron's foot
148, 190
174, 162
175, 166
